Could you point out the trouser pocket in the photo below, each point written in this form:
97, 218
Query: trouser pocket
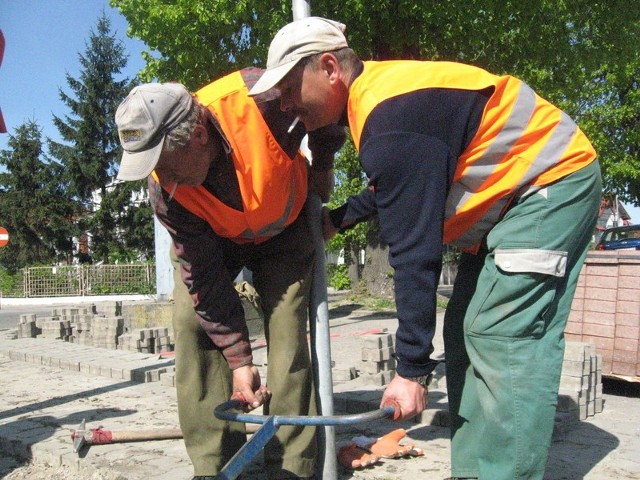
516, 293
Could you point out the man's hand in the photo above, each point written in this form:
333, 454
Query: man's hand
328, 229
409, 396
247, 387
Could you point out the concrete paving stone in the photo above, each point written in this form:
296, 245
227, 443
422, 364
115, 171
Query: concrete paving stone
376, 354
603, 447
72, 461
44, 453
575, 368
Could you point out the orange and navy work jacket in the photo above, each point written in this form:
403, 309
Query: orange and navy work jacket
521, 139
273, 186
446, 147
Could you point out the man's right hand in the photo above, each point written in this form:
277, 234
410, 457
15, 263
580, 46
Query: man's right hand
409, 396
247, 387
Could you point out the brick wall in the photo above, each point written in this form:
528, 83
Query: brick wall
606, 310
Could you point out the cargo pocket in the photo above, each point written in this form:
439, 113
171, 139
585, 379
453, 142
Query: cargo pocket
528, 260
521, 293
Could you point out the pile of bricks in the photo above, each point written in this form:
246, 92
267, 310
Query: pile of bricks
53, 327
27, 327
378, 366
146, 340
580, 394
168, 377
106, 330
606, 310
82, 329
86, 327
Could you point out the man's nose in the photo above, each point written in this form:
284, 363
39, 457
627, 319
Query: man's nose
285, 104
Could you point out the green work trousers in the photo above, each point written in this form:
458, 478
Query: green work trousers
503, 330
282, 269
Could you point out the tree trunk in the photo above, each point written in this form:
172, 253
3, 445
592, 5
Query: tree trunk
377, 274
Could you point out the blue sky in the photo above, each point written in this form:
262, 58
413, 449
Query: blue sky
43, 41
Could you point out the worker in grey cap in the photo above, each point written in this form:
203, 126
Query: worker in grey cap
228, 181
459, 156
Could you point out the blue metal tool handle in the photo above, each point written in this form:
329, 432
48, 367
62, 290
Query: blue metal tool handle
223, 412
270, 424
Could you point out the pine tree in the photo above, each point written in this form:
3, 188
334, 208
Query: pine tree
92, 150
34, 206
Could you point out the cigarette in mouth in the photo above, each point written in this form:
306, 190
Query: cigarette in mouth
173, 190
293, 124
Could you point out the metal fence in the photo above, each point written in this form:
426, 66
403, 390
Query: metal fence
81, 280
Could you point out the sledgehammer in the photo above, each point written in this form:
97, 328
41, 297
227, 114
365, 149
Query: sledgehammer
99, 436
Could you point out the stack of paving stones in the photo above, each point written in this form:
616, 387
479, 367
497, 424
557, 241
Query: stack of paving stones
54, 327
82, 329
168, 377
580, 394
106, 330
28, 327
146, 340
87, 330
85, 326
378, 365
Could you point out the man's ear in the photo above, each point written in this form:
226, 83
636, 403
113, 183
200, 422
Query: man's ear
330, 66
200, 134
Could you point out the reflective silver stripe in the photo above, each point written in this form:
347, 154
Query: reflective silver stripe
485, 165
554, 149
475, 234
478, 172
275, 227
509, 135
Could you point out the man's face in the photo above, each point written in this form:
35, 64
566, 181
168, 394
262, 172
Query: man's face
187, 165
308, 91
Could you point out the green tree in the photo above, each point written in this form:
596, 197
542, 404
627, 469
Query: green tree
34, 206
613, 123
569, 52
349, 180
91, 150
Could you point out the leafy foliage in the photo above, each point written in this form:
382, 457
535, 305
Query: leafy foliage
583, 55
349, 180
34, 205
562, 49
92, 151
338, 277
613, 124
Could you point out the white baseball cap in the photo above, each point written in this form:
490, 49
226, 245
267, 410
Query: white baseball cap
295, 41
144, 118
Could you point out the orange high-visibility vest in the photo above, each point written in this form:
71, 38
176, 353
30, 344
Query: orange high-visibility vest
522, 139
273, 186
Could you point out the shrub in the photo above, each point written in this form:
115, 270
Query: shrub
338, 277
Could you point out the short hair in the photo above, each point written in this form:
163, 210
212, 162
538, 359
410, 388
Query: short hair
179, 136
346, 57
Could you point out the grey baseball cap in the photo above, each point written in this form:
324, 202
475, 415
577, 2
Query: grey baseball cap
144, 118
295, 41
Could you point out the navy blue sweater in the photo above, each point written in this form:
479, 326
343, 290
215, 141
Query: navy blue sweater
409, 150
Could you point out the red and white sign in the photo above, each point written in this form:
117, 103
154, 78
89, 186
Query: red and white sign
4, 236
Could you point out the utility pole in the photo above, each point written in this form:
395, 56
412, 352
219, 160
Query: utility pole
327, 468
